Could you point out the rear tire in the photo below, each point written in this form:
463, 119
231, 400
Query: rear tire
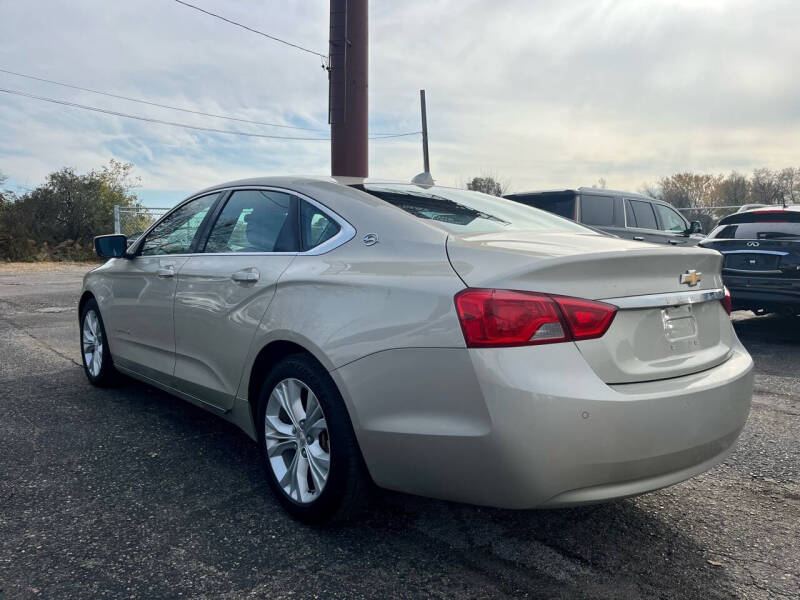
95, 352
304, 428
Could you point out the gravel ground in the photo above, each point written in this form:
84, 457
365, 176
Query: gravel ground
133, 493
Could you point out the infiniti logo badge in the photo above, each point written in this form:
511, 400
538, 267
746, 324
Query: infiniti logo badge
754, 244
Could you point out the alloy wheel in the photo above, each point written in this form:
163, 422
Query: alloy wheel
297, 440
92, 343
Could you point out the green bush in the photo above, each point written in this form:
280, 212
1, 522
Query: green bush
59, 219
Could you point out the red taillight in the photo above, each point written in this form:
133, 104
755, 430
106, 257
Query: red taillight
510, 318
587, 319
727, 303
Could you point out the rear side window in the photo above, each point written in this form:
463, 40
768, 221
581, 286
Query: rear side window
560, 204
640, 214
254, 221
597, 210
315, 226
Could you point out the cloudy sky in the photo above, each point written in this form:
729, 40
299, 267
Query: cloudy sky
539, 93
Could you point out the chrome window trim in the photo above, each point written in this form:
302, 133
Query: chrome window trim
346, 231
668, 299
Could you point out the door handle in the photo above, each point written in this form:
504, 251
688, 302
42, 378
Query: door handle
246, 276
166, 271
638, 238
674, 242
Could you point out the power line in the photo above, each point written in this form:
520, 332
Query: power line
186, 125
186, 110
324, 57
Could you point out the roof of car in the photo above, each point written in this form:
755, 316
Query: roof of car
586, 190
774, 208
791, 212
290, 181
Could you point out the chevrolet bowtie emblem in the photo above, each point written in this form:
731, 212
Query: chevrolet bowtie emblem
691, 277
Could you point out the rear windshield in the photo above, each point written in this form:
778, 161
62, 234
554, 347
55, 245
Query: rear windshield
558, 203
759, 226
462, 211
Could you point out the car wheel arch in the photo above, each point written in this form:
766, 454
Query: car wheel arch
85, 297
270, 355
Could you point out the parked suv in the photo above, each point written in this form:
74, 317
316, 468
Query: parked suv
624, 214
762, 258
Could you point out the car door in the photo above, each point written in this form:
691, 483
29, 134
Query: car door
224, 291
672, 225
641, 223
140, 316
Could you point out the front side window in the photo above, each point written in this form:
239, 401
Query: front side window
597, 210
670, 220
254, 221
463, 211
315, 226
640, 214
175, 234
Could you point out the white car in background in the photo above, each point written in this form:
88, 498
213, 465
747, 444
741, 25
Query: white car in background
430, 340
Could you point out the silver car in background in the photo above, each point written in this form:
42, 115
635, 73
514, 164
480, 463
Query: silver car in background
425, 339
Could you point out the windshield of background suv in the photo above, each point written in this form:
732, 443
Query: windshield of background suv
769, 225
463, 211
757, 231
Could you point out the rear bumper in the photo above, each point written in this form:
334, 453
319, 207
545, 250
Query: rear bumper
534, 426
762, 292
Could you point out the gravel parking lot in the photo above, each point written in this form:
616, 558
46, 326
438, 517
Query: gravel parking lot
130, 492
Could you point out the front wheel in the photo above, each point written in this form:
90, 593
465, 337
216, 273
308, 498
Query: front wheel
95, 353
313, 462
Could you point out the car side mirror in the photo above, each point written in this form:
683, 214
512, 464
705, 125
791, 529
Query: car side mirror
695, 227
111, 246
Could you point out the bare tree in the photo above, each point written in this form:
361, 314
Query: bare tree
734, 190
765, 188
788, 180
650, 190
488, 185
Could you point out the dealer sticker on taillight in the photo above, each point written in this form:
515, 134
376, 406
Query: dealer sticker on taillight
680, 326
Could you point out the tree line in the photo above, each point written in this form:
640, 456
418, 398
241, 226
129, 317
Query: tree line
707, 193
58, 219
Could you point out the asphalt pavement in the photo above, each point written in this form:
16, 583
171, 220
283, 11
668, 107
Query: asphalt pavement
132, 493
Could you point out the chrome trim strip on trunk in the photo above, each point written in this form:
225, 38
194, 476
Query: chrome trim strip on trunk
774, 252
754, 271
668, 299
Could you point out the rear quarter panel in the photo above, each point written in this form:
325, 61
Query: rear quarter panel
358, 300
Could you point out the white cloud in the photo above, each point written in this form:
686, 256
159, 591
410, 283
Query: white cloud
541, 93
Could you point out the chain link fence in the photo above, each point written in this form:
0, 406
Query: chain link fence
133, 221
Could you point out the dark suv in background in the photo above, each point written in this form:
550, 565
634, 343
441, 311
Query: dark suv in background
624, 214
762, 258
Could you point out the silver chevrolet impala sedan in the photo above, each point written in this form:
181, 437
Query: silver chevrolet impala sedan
425, 339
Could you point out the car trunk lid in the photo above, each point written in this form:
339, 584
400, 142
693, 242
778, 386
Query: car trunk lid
762, 258
664, 328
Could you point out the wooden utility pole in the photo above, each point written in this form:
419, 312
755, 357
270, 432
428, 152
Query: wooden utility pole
347, 91
425, 160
